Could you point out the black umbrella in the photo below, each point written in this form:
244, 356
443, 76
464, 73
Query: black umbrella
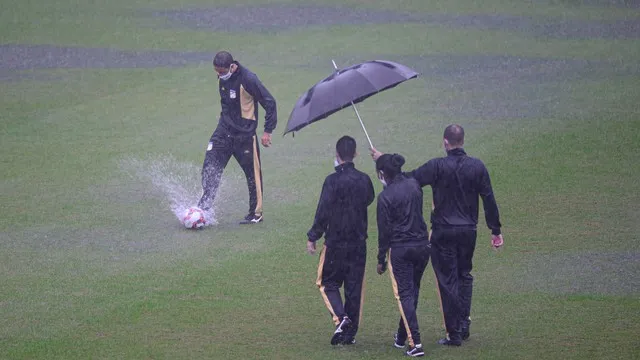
346, 87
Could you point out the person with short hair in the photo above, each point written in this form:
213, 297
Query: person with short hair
240, 93
457, 181
403, 245
342, 217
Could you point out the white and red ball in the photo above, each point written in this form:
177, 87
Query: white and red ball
193, 218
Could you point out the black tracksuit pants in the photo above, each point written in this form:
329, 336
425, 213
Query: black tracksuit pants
451, 253
343, 265
406, 267
223, 144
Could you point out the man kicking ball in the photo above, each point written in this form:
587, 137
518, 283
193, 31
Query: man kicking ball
240, 93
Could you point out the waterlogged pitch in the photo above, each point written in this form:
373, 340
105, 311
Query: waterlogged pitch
108, 107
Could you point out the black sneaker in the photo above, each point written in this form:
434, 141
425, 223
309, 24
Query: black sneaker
397, 343
348, 340
338, 335
448, 342
415, 351
251, 219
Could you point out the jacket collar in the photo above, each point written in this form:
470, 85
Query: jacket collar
396, 178
456, 152
345, 165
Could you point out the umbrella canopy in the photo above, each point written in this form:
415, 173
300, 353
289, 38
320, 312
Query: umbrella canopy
346, 87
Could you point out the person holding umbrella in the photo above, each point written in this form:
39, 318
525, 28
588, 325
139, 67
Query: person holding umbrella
240, 93
402, 244
342, 217
458, 181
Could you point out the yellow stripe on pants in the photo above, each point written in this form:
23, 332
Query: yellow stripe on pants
336, 320
257, 175
361, 300
394, 284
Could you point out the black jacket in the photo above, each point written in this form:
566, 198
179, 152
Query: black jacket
457, 180
239, 98
342, 210
400, 220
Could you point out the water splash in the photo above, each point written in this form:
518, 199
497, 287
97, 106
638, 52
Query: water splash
178, 182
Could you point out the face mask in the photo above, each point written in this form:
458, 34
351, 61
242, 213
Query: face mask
381, 178
225, 76
335, 162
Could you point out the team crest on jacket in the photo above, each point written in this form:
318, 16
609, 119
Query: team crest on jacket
232, 94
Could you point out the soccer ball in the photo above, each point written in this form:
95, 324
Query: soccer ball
193, 218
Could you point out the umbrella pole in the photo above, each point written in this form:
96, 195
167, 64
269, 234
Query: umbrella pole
362, 124
357, 114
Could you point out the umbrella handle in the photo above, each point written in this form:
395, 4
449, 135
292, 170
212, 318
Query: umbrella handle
357, 113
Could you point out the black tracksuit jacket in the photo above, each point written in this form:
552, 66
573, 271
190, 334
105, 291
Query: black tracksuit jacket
342, 210
400, 220
239, 98
457, 180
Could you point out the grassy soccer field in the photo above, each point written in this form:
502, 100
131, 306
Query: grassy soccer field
107, 107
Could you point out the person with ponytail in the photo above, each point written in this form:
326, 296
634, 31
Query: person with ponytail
403, 245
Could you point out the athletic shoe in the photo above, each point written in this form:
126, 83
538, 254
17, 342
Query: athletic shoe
397, 343
338, 335
448, 342
251, 219
415, 351
348, 340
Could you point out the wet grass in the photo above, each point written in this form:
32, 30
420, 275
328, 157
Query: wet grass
94, 264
